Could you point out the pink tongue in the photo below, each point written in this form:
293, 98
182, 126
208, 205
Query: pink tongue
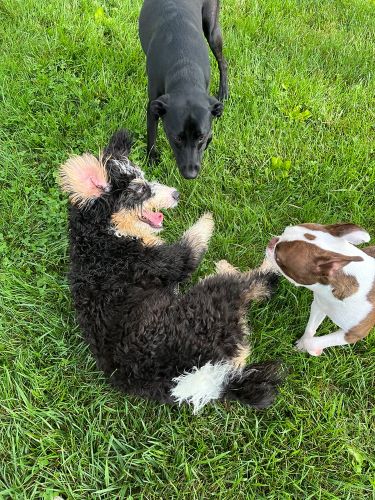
156, 218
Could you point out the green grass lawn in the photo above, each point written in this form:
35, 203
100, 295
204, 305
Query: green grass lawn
295, 144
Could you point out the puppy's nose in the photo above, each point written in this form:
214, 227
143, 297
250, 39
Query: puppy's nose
191, 171
176, 195
273, 243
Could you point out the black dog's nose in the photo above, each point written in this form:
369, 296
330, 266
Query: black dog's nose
176, 195
191, 171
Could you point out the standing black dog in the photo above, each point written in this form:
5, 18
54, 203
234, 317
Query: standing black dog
148, 339
178, 67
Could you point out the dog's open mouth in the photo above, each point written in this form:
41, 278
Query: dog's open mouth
153, 219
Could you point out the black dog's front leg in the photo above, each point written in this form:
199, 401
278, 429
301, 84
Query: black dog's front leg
152, 127
214, 37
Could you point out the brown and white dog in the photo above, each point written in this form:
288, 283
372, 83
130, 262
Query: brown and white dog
323, 259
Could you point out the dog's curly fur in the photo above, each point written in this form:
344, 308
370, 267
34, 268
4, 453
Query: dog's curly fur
144, 336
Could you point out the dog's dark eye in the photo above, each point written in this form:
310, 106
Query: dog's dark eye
178, 140
201, 139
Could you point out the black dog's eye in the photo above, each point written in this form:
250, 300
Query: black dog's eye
201, 139
178, 140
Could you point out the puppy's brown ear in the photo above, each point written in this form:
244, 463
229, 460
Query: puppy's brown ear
84, 178
159, 106
350, 232
328, 265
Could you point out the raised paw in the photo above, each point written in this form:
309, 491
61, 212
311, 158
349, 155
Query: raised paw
223, 267
268, 265
200, 233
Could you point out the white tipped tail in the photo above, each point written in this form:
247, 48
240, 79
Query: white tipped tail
202, 385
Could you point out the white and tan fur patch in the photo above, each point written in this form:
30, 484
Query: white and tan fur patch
200, 233
84, 177
127, 223
202, 385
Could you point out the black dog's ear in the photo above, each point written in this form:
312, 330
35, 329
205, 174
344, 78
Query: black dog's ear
160, 105
216, 107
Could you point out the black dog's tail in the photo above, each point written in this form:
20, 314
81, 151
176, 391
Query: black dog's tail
256, 385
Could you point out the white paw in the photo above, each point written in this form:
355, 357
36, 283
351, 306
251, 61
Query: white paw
308, 345
268, 265
223, 267
200, 233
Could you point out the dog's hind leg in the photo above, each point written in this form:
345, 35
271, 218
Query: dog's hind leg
212, 32
213, 334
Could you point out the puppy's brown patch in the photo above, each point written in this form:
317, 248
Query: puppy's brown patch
127, 223
365, 326
343, 285
333, 229
309, 236
307, 264
84, 178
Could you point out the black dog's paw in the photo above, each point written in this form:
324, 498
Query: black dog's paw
154, 158
223, 94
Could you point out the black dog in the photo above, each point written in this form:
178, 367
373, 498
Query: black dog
144, 335
178, 67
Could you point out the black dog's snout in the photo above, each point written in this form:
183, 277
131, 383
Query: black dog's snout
176, 195
191, 171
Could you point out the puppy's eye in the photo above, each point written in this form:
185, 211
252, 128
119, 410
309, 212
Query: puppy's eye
178, 140
201, 139
138, 188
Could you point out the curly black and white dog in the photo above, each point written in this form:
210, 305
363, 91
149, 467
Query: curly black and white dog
149, 340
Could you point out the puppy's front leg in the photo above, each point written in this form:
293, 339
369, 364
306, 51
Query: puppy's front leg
152, 127
198, 236
315, 320
316, 345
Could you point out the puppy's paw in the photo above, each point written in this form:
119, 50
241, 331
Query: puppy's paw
223, 267
200, 233
308, 345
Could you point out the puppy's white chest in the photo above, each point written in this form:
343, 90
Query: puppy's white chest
345, 313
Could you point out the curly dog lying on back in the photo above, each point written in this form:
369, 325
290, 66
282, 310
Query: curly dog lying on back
148, 339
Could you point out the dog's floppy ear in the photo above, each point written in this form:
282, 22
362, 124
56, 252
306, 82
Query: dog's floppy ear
159, 106
216, 107
328, 265
84, 178
119, 146
350, 232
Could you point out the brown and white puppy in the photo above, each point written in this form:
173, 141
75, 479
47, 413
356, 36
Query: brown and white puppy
324, 259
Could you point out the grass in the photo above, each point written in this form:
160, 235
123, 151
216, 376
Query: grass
295, 143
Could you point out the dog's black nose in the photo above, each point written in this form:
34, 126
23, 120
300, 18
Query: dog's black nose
176, 195
191, 171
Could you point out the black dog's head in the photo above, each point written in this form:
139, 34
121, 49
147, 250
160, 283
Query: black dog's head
117, 186
187, 124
